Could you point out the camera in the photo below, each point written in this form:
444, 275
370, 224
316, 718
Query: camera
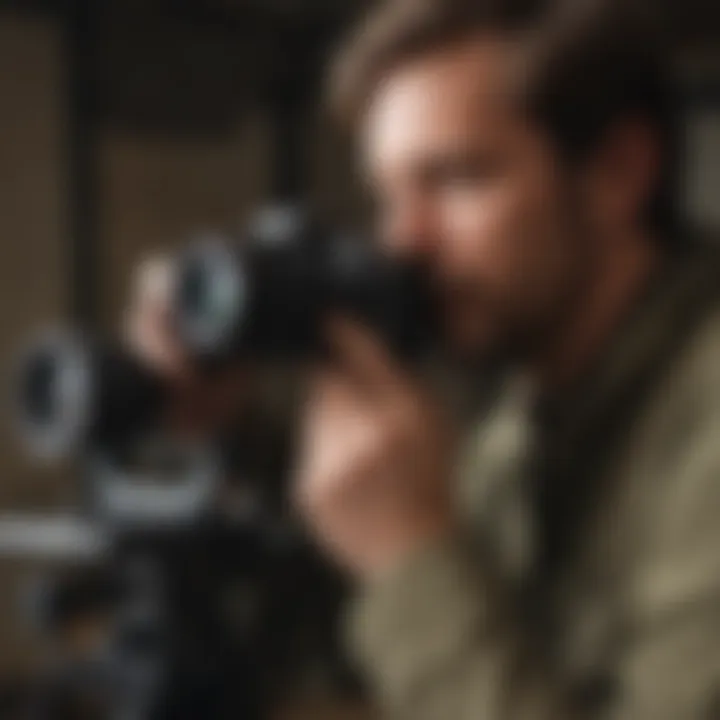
269, 296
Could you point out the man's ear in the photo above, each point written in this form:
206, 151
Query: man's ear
623, 175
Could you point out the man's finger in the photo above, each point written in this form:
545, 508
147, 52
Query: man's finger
149, 326
363, 357
154, 281
331, 394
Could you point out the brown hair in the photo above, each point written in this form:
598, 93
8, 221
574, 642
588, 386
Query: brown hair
590, 63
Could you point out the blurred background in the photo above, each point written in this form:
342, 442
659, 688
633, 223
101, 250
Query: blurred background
128, 125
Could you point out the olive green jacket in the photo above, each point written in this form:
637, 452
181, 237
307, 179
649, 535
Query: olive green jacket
587, 584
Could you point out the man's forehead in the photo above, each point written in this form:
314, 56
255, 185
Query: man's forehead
447, 92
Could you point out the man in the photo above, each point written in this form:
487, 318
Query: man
527, 151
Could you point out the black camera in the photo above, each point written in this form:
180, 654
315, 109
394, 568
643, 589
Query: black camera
269, 296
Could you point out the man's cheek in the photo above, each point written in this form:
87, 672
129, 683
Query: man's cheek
486, 222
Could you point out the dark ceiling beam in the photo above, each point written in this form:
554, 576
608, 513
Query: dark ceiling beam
208, 11
35, 7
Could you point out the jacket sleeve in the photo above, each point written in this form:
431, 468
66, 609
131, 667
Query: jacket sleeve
439, 640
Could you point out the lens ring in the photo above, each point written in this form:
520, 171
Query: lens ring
212, 294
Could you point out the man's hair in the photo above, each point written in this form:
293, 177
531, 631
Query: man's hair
588, 64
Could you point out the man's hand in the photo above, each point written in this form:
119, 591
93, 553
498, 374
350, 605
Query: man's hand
373, 476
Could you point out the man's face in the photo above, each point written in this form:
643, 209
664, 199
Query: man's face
464, 180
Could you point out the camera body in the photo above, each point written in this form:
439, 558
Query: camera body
269, 295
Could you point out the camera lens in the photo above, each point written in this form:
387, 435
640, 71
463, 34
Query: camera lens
53, 385
211, 295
